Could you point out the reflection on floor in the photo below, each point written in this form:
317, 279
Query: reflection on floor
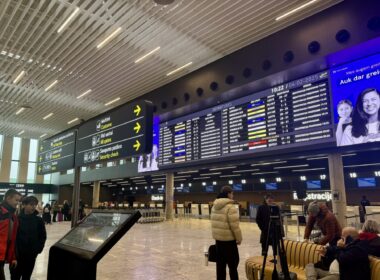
168, 250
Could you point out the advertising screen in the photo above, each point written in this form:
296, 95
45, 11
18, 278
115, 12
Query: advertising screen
237, 187
149, 162
356, 99
313, 185
271, 186
366, 182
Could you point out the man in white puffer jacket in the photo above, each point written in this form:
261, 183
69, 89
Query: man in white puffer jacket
227, 234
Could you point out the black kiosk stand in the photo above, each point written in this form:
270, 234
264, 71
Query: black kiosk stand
76, 255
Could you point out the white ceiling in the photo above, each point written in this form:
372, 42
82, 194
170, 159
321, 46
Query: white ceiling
197, 31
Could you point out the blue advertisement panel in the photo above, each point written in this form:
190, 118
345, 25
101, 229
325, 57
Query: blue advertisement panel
355, 90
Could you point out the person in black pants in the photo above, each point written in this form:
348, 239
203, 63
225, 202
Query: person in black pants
262, 220
30, 240
227, 234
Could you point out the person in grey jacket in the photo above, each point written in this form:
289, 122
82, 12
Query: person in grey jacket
227, 234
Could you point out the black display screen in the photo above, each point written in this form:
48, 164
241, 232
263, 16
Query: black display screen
56, 153
293, 114
123, 132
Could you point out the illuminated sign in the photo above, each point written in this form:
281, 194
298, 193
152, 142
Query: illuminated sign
315, 196
123, 132
56, 153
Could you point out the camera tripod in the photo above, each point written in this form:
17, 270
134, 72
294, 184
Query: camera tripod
275, 234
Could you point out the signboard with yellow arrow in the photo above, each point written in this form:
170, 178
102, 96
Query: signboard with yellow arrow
56, 153
123, 132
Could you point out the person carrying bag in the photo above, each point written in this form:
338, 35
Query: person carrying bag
227, 234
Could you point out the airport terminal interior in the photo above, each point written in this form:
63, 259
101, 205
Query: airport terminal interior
126, 118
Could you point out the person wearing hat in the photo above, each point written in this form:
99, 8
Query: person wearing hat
325, 220
227, 234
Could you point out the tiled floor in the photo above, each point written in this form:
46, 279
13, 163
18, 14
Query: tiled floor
168, 250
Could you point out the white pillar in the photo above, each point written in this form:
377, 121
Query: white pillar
337, 186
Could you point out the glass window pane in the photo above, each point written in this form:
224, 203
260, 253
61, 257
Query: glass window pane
47, 178
33, 150
31, 176
14, 172
1, 145
70, 171
16, 148
84, 168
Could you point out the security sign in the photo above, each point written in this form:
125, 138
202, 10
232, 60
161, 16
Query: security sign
123, 132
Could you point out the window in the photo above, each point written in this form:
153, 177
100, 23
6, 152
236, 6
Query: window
32, 161
70, 171
16, 148
14, 171
84, 168
15, 163
31, 175
47, 178
33, 150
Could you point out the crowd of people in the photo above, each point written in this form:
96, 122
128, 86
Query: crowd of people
23, 233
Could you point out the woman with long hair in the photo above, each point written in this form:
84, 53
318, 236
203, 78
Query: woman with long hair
365, 125
344, 109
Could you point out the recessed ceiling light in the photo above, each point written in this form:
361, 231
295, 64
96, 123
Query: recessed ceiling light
84, 93
19, 77
47, 116
109, 38
148, 54
21, 132
43, 135
70, 18
112, 101
296, 9
179, 69
19, 111
73, 120
51, 85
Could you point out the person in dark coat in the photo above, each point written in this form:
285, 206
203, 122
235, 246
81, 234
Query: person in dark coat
30, 240
350, 257
66, 211
262, 220
46, 216
369, 236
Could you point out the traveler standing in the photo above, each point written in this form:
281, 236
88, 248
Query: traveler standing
65, 211
227, 234
262, 220
8, 229
30, 241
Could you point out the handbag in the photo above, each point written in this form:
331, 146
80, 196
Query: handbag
212, 253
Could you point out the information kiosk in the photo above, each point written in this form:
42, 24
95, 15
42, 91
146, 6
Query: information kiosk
76, 255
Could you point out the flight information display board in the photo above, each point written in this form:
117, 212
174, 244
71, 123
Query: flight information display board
56, 153
123, 132
293, 114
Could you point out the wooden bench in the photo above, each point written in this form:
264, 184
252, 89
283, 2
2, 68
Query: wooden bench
298, 255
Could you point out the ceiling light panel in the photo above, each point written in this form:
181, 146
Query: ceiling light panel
216, 30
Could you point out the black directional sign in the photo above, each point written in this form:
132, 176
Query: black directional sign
123, 132
56, 153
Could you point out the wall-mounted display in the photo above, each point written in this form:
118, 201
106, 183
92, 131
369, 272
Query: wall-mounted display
369, 182
56, 153
290, 115
123, 132
356, 99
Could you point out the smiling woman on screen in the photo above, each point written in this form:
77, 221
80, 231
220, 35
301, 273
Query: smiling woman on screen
365, 119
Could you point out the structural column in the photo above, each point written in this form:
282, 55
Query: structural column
338, 190
95, 194
169, 196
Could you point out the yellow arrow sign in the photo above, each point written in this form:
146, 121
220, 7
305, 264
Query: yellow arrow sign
40, 159
137, 127
137, 145
137, 110
39, 169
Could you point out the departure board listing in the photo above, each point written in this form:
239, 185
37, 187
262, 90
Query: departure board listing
293, 114
123, 132
57, 153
